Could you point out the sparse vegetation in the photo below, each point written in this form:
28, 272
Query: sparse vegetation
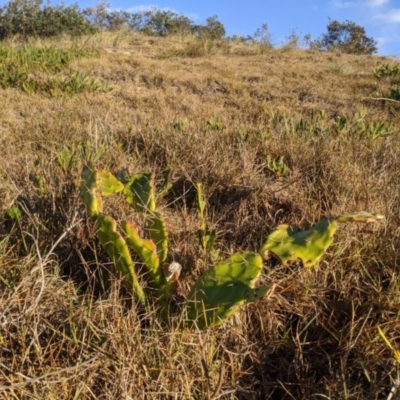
275, 138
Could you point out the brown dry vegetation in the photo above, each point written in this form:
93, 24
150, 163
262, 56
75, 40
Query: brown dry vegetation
213, 111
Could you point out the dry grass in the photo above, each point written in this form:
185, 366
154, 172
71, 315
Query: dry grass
213, 112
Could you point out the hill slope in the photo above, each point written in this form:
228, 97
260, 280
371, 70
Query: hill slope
275, 136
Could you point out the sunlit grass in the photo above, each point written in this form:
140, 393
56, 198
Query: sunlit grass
274, 137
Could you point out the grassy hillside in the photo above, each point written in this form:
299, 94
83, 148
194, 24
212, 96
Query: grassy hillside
275, 136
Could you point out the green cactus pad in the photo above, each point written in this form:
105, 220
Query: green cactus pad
139, 192
107, 183
158, 234
223, 288
118, 251
89, 193
309, 245
146, 250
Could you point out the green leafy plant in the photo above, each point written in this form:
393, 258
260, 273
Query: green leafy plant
221, 290
216, 124
278, 166
14, 213
206, 237
376, 130
387, 70
19, 66
394, 93
88, 154
180, 125
66, 160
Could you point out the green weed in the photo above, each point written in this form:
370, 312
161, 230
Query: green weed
20, 66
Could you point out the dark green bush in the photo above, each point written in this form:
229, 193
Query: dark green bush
346, 37
29, 18
160, 22
214, 29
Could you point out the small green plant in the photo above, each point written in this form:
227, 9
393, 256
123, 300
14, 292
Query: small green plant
376, 130
341, 123
221, 290
206, 237
66, 160
394, 93
14, 213
391, 71
216, 124
180, 125
277, 166
387, 70
88, 154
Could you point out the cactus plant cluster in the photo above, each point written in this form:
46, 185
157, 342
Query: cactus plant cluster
221, 290
152, 252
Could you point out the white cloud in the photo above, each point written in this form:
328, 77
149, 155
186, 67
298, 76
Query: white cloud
390, 17
355, 3
141, 8
149, 7
376, 3
343, 4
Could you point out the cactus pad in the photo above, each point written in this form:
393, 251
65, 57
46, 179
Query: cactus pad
223, 288
309, 245
94, 184
118, 251
158, 234
107, 183
89, 193
146, 250
139, 192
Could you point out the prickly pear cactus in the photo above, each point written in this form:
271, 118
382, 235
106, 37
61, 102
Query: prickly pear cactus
139, 192
309, 245
107, 183
94, 184
118, 251
89, 193
147, 252
223, 288
157, 231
